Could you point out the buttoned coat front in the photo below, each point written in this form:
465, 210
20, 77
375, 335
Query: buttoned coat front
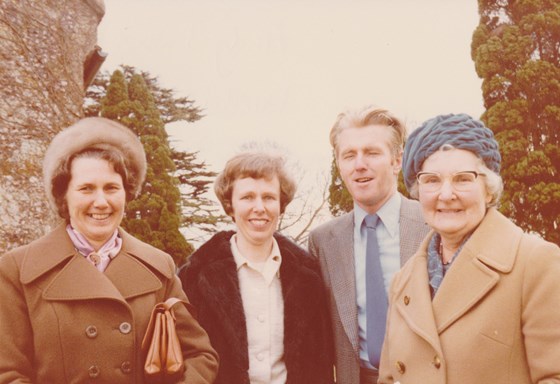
495, 318
63, 321
333, 244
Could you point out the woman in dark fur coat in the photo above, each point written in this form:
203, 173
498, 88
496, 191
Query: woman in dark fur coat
259, 296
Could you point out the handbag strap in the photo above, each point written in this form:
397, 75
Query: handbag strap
172, 301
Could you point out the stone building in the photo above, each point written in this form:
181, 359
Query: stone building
48, 54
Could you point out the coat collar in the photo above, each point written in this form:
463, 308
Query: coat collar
127, 275
215, 270
482, 260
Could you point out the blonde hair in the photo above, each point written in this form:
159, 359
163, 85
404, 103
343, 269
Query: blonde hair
367, 116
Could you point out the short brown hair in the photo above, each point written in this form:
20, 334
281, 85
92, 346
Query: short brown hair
367, 116
257, 165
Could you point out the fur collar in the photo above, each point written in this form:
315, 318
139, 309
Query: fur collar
210, 280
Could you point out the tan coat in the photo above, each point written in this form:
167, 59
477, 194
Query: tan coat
333, 244
62, 321
495, 318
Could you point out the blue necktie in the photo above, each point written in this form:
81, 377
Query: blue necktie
376, 297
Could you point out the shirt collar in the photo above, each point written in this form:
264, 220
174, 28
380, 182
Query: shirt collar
389, 214
271, 264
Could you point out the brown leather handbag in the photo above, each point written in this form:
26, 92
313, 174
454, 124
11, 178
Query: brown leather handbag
164, 359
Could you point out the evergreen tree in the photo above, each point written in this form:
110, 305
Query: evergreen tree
197, 213
516, 50
154, 216
340, 200
171, 108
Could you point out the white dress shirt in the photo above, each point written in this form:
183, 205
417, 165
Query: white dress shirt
263, 303
388, 238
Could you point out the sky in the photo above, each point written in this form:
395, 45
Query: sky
281, 71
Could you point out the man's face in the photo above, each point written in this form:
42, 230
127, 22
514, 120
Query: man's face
367, 165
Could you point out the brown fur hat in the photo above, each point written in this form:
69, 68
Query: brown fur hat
92, 132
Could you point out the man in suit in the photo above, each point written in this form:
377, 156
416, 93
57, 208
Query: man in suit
368, 146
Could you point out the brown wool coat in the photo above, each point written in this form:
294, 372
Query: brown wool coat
333, 244
495, 318
62, 321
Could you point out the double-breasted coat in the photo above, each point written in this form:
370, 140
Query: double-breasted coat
63, 321
495, 318
333, 244
211, 282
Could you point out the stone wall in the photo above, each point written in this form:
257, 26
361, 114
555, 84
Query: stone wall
43, 46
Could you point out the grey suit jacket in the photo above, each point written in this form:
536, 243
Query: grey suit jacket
333, 244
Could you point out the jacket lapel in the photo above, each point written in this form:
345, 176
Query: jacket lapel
481, 261
412, 228
340, 263
131, 277
216, 272
77, 279
414, 303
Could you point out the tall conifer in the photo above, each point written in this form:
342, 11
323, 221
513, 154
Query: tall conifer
516, 50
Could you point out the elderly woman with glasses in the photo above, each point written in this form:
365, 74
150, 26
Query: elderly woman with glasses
480, 300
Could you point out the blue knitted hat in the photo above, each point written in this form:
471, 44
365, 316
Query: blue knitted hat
461, 131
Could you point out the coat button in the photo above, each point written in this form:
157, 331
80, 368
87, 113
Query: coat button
400, 367
126, 367
93, 371
436, 362
91, 331
125, 328
406, 300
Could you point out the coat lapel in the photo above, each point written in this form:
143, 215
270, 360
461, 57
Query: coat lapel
456, 296
340, 264
77, 279
481, 260
414, 303
213, 266
131, 277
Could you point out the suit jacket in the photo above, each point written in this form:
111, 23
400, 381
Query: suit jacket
333, 244
63, 321
495, 318
211, 282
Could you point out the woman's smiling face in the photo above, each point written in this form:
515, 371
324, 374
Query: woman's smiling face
451, 213
256, 209
96, 199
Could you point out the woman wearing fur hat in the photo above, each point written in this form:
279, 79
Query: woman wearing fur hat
76, 302
259, 296
480, 300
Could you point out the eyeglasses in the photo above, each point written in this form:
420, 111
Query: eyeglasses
460, 181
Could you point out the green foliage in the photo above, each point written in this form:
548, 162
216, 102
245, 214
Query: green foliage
340, 200
516, 50
171, 108
154, 217
173, 196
